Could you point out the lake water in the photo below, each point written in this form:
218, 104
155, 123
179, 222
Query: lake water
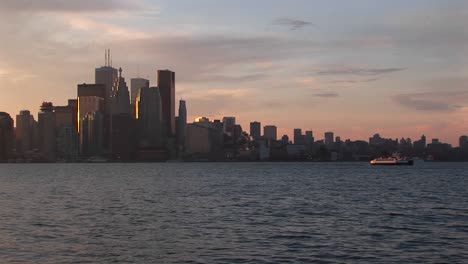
233, 213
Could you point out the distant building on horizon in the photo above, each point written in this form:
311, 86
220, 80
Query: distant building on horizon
201, 119
270, 132
255, 130
298, 137
309, 138
463, 141
329, 138
228, 124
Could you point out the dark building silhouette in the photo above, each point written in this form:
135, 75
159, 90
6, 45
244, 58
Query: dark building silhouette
419, 146
24, 132
91, 135
329, 138
135, 85
47, 132
6, 137
166, 85
151, 129
298, 137
150, 124
107, 76
64, 116
182, 127
309, 138
270, 132
122, 134
463, 142
255, 130
67, 136
228, 125
91, 98
120, 98
236, 131
205, 141
123, 137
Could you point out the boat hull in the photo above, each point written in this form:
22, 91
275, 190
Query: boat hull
396, 163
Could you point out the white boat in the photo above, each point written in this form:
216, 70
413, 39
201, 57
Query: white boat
393, 160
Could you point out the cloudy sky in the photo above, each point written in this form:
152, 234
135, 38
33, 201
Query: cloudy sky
394, 67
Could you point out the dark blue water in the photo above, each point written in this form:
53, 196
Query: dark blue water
233, 213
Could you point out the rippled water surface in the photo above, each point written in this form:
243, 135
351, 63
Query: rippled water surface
233, 213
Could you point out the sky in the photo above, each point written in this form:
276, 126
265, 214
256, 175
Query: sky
360, 67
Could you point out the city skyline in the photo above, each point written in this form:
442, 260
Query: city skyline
399, 70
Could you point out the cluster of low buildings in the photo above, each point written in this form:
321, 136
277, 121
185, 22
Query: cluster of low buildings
224, 140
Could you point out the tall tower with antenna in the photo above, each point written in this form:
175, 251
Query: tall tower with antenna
108, 76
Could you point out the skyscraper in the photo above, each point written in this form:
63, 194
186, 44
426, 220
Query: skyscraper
123, 138
24, 131
423, 141
120, 98
91, 135
135, 85
107, 76
228, 124
67, 137
255, 130
122, 123
298, 137
47, 132
90, 100
309, 138
329, 138
166, 85
182, 126
64, 116
150, 122
6, 136
73, 104
463, 142
270, 132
